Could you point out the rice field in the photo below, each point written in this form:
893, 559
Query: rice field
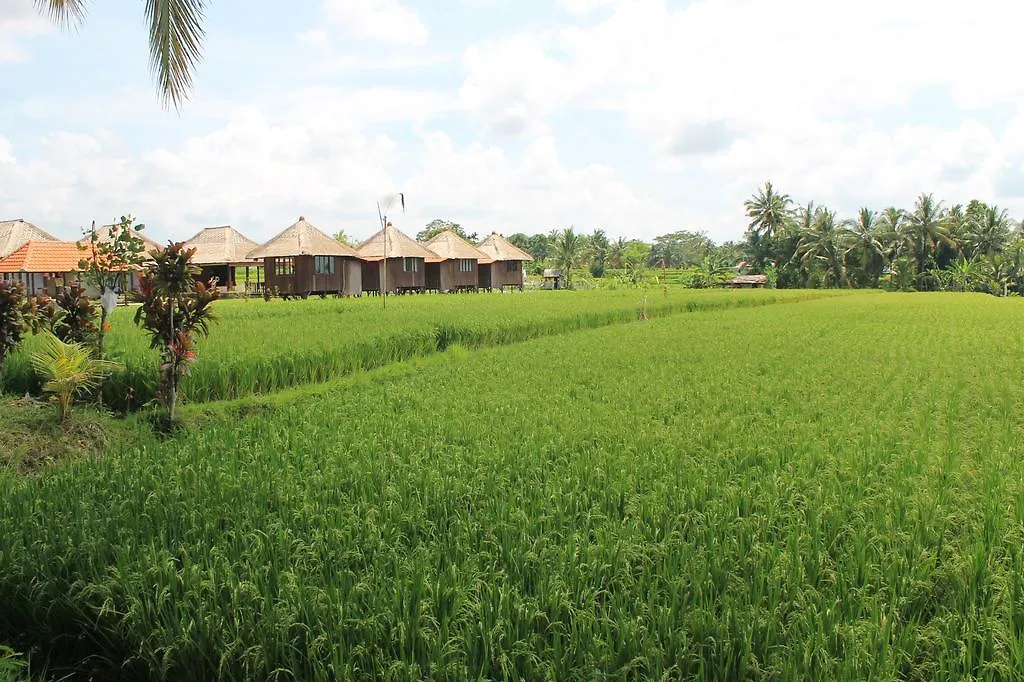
260, 347
827, 490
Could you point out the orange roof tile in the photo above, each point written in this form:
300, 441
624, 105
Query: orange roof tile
43, 256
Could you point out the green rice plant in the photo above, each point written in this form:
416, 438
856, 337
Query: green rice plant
260, 347
830, 490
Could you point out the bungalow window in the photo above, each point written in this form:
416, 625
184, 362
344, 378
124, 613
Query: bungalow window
410, 264
511, 265
324, 265
284, 267
465, 265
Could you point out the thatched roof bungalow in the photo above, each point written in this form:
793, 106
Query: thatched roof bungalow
17, 232
303, 260
504, 265
394, 262
456, 266
219, 251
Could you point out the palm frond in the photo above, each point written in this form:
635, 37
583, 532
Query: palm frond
64, 12
175, 45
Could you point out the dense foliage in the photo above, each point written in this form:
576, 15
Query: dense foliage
788, 492
972, 247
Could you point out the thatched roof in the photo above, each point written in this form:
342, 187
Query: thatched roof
450, 246
498, 248
104, 234
16, 233
398, 246
301, 239
750, 279
222, 245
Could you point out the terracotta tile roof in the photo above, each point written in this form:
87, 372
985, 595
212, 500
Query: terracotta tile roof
43, 256
14, 233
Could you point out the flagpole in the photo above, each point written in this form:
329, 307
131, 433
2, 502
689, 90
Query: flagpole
384, 275
382, 214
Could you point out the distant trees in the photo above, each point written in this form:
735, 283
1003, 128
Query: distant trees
343, 238
930, 246
437, 226
567, 252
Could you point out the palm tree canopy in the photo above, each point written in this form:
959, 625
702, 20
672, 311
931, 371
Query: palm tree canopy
768, 211
175, 39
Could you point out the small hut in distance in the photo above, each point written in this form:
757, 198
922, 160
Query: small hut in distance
504, 264
219, 251
456, 266
394, 262
303, 260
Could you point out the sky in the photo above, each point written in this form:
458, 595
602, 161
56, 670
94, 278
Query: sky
638, 117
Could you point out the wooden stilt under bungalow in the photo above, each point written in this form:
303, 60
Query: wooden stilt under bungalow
220, 252
504, 264
456, 267
302, 260
394, 262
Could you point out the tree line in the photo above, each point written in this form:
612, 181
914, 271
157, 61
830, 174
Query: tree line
928, 247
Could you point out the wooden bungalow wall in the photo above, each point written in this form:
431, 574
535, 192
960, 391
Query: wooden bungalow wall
452, 278
396, 278
501, 277
347, 277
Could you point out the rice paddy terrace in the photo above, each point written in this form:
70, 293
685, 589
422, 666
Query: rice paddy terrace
729, 489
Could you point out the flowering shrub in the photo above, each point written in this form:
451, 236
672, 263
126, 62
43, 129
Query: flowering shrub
175, 309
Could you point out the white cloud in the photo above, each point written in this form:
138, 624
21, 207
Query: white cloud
742, 90
387, 21
18, 20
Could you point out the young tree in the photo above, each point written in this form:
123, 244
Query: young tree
109, 261
74, 323
67, 370
343, 238
176, 308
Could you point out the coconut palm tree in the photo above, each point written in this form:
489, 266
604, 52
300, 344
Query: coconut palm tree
824, 244
175, 39
890, 222
616, 249
567, 252
864, 238
924, 230
987, 231
769, 212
